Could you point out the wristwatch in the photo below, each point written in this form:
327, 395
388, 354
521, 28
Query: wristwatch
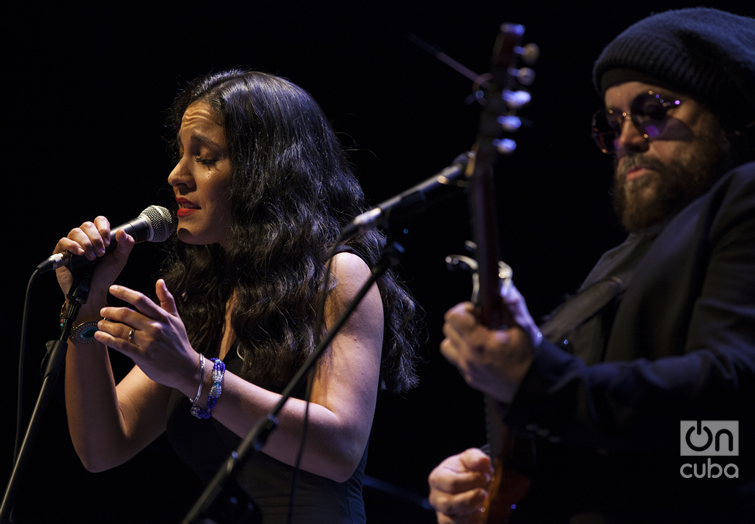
84, 332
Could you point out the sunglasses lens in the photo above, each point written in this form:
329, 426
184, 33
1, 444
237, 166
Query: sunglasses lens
649, 114
605, 131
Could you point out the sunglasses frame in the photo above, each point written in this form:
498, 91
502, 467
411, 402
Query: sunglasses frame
640, 119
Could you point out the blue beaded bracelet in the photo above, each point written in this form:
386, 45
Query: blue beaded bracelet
218, 371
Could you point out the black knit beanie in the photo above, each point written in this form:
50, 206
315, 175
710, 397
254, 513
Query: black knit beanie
705, 53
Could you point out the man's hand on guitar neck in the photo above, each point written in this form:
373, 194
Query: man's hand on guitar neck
458, 487
491, 361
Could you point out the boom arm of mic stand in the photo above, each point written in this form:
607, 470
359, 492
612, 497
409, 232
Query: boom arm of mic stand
206, 508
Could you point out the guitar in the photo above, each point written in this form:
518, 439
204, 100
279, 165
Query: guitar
503, 96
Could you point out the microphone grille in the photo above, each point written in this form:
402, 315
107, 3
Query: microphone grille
161, 223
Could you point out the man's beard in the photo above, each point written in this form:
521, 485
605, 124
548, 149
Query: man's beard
669, 186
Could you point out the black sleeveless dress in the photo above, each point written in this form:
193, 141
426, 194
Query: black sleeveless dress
205, 444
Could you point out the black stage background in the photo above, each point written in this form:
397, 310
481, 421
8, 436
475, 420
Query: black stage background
86, 89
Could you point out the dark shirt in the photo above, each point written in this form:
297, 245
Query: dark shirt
205, 444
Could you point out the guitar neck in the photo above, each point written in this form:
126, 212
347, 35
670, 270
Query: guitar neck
492, 312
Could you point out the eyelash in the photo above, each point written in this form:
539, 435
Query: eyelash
206, 161
209, 162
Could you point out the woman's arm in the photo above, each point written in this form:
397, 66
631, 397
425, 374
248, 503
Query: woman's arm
344, 391
108, 425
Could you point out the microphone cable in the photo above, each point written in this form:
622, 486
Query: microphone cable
21, 354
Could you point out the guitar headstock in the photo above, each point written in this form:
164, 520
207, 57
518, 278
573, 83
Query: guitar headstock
503, 91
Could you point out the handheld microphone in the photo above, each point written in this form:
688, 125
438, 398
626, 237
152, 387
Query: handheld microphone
412, 201
154, 224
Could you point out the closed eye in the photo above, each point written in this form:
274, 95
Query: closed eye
207, 161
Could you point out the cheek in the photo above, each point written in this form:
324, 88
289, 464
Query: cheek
221, 196
224, 187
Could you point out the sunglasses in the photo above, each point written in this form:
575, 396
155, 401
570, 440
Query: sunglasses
648, 113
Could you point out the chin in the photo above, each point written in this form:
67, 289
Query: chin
185, 236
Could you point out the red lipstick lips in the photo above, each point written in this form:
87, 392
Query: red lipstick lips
186, 207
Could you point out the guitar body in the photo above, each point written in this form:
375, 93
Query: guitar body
509, 485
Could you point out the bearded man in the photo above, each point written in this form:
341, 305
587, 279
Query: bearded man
639, 391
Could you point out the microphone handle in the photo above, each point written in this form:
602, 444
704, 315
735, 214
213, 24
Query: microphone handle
139, 228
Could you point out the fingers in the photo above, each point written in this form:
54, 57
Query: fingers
125, 244
474, 459
141, 302
116, 317
465, 337
476, 518
117, 323
453, 339
518, 308
159, 345
461, 316
167, 302
102, 225
463, 472
90, 239
116, 335
491, 361
147, 310
458, 487
465, 503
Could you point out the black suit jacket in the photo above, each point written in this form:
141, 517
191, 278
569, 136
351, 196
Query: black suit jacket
672, 338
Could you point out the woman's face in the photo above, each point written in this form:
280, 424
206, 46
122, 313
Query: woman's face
201, 179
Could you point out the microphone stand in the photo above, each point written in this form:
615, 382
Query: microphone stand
52, 365
224, 500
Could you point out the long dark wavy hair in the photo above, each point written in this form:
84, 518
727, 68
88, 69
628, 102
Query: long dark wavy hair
292, 192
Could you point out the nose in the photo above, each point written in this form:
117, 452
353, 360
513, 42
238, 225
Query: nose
631, 138
180, 176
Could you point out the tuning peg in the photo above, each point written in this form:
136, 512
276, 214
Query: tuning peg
505, 146
529, 53
516, 99
510, 123
525, 75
